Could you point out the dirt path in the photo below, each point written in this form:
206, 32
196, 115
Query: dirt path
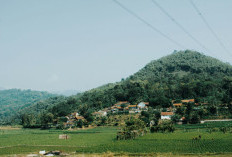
40, 146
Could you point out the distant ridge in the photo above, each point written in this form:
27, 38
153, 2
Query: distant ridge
13, 100
66, 92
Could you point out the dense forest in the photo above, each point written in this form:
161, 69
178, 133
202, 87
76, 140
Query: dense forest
181, 75
13, 100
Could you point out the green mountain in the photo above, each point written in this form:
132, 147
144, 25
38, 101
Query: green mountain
181, 75
185, 74
13, 100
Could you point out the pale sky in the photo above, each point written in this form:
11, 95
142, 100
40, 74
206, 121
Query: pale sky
82, 44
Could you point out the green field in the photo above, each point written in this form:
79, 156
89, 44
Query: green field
102, 139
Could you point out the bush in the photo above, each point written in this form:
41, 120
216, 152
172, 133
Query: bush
133, 128
163, 126
152, 129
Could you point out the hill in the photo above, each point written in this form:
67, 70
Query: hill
183, 63
185, 74
181, 75
13, 100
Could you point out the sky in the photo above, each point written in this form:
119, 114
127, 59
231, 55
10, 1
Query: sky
56, 45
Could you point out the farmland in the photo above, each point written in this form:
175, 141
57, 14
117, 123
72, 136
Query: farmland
102, 139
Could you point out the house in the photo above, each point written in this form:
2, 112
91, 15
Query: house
166, 115
181, 120
132, 107
80, 118
143, 105
114, 110
118, 104
100, 113
69, 123
182, 101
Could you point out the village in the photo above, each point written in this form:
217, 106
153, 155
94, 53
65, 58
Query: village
124, 107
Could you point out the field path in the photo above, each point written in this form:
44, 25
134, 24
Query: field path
42, 146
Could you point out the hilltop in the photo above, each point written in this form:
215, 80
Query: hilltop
183, 63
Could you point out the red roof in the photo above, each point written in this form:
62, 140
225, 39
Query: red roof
167, 113
183, 118
132, 106
177, 104
188, 100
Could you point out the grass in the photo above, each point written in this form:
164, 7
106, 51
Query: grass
102, 139
178, 142
206, 125
27, 140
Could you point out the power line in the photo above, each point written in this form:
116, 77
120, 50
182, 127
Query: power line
147, 23
209, 27
179, 25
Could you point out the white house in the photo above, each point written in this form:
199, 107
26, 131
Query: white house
166, 115
100, 113
143, 105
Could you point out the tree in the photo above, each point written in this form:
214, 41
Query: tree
28, 121
175, 118
79, 123
46, 120
160, 101
133, 128
194, 118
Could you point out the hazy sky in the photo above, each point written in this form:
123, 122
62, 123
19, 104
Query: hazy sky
81, 44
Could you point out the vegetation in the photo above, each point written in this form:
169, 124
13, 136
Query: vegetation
181, 75
13, 100
132, 129
103, 139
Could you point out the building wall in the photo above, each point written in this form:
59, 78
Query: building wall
165, 117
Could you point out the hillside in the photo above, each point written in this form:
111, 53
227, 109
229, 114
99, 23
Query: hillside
13, 100
185, 74
181, 75
183, 63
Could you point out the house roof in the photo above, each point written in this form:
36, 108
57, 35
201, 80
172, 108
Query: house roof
132, 106
177, 104
146, 103
96, 113
183, 118
79, 117
167, 113
188, 100
120, 103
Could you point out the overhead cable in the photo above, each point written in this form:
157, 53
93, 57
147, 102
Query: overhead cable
147, 23
209, 27
179, 25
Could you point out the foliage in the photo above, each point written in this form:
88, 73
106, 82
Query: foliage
132, 129
13, 100
182, 75
163, 126
102, 139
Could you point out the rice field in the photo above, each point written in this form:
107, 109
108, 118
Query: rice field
176, 143
102, 139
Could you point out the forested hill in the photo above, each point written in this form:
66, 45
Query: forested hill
13, 100
183, 63
181, 75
